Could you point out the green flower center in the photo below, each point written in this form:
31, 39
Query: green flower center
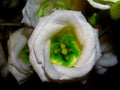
24, 54
65, 48
48, 6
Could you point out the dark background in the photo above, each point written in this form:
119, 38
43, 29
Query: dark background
108, 81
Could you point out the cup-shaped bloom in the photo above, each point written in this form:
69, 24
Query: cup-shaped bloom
18, 59
35, 9
63, 46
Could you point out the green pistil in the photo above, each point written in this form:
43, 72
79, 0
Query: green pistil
24, 54
65, 48
70, 50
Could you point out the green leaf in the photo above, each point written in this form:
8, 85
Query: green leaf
93, 19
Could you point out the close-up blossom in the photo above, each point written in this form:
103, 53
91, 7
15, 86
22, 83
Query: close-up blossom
64, 43
19, 64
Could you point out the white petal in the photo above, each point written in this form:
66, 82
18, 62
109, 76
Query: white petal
78, 71
17, 67
37, 67
50, 70
99, 5
45, 34
100, 69
29, 11
15, 45
111, 0
108, 59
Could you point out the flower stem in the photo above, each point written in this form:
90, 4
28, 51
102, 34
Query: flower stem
104, 32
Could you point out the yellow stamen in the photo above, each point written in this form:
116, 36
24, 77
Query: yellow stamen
64, 51
66, 57
62, 46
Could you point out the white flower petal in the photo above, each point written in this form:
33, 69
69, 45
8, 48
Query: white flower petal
111, 0
99, 5
108, 59
37, 67
45, 34
17, 67
80, 71
100, 70
49, 68
29, 12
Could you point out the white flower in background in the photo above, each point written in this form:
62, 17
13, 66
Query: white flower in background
108, 59
18, 64
35, 9
29, 11
102, 4
63, 46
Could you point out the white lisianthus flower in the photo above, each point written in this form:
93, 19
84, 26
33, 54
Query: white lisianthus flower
35, 9
19, 68
29, 12
63, 46
102, 4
